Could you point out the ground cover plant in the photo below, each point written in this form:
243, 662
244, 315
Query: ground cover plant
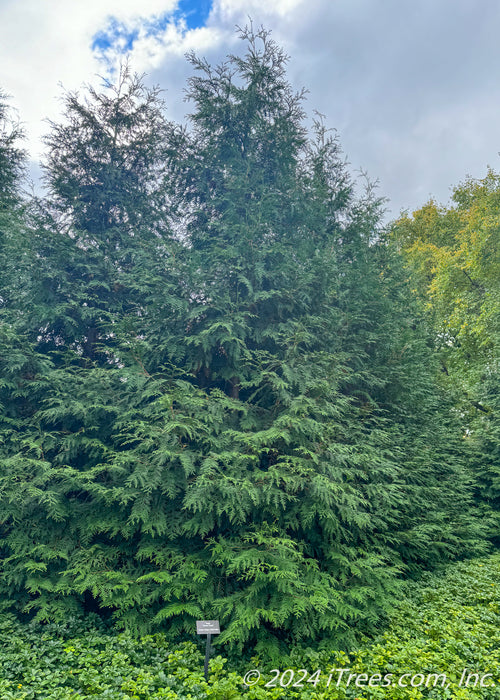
446, 623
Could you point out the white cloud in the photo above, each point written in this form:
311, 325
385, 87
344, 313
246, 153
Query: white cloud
412, 87
47, 43
228, 10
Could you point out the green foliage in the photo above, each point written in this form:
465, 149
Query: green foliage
12, 168
453, 254
447, 623
11, 156
219, 402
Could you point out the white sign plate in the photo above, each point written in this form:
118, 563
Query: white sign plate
207, 627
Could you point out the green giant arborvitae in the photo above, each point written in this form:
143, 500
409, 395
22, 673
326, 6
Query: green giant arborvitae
12, 169
104, 220
239, 422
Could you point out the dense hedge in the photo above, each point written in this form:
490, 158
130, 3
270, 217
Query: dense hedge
448, 622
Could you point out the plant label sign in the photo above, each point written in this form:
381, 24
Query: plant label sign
207, 627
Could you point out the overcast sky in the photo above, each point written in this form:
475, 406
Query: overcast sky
412, 86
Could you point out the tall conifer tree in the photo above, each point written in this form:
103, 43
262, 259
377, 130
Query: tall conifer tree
239, 419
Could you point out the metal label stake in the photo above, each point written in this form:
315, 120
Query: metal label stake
208, 627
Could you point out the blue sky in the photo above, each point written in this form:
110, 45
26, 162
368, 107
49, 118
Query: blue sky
196, 12
411, 87
119, 37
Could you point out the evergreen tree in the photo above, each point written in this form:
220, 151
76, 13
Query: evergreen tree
104, 220
237, 419
12, 168
106, 172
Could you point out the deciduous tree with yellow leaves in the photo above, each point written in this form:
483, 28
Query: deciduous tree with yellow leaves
453, 254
